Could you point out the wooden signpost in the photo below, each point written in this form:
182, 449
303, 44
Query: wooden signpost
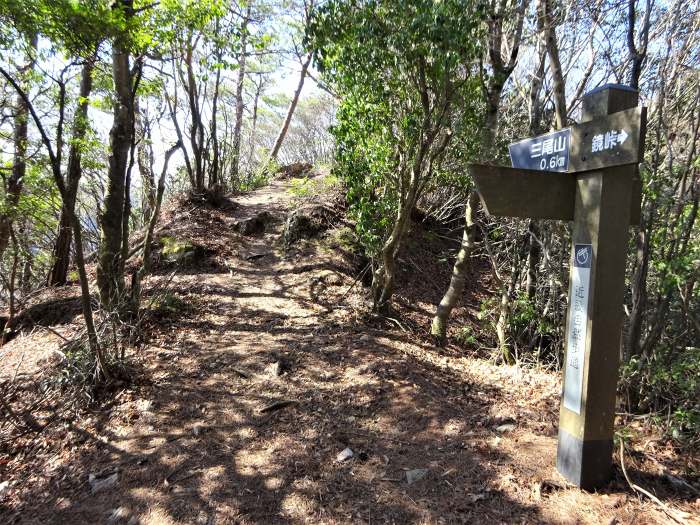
587, 174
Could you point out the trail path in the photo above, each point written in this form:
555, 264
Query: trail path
194, 444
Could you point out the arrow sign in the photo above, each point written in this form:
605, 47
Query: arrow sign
613, 140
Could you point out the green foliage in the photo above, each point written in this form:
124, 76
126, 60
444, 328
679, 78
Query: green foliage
364, 162
667, 383
466, 337
169, 304
255, 180
526, 320
391, 61
305, 187
35, 216
343, 238
487, 316
177, 20
174, 248
76, 26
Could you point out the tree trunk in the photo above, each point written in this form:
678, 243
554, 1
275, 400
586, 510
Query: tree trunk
110, 279
145, 160
383, 278
493, 87
254, 124
550, 36
156, 209
238, 125
213, 129
27, 274
7, 328
639, 296
196, 126
504, 347
59, 271
454, 291
292, 108
637, 55
19, 160
533, 257
430, 149
507, 295
102, 368
427, 152
172, 108
534, 119
494, 90
153, 219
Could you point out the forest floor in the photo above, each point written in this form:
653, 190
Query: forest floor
248, 392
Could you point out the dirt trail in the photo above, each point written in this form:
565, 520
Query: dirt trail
195, 445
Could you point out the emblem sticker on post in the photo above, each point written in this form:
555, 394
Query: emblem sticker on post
578, 323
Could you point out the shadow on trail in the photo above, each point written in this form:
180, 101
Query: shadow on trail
228, 462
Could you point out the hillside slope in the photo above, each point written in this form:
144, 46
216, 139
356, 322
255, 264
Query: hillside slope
266, 369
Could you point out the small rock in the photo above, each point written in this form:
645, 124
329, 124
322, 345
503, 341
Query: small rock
100, 482
255, 256
307, 222
119, 515
53, 359
546, 487
3, 487
144, 405
198, 429
275, 369
344, 455
416, 475
254, 225
473, 498
508, 427
296, 169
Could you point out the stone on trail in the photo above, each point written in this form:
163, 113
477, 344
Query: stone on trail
122, 515
4, 486
100, 482
473, 498
254, 225
344, 455
508, 427
307, 222
274, 369
296, 169
416, 475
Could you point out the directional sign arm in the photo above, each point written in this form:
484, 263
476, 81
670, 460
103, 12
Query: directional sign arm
513, 192
589, 151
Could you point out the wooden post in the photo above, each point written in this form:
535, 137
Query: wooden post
588, 174
602, 217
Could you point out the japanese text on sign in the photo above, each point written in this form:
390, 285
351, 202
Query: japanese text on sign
577, 327
608, 140
544, 153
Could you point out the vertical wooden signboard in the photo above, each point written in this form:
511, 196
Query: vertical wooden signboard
594, 183
594, 324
